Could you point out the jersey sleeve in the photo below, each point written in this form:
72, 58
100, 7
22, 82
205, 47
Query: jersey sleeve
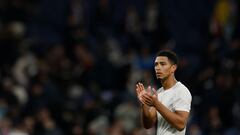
183, 101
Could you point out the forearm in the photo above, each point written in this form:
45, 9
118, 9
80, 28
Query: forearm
146, 117
171, 117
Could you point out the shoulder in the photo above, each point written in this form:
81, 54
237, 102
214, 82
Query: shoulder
182, 90
159, 90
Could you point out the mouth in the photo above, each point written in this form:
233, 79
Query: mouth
159, 73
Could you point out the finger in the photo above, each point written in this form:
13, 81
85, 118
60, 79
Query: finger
146, 97
139, 95
137, 89
142, 87
146, 102
138, 92
149, 90
154, 91
141, 100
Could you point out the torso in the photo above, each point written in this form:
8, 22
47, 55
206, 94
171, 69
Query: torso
170, 98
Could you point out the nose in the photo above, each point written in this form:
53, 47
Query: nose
157, 67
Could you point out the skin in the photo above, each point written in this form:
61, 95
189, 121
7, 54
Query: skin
150, 104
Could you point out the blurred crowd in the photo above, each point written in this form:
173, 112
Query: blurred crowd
69, 67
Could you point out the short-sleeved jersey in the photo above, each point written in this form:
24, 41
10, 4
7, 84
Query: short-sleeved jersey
176, 98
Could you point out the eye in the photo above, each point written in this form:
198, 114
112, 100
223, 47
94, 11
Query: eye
162, 63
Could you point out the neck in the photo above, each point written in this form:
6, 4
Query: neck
168, 82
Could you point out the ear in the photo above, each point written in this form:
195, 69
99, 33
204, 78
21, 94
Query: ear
173, 68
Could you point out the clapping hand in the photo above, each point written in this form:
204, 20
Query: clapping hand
146, 97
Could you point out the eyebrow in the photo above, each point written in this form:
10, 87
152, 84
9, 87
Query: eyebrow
161, 62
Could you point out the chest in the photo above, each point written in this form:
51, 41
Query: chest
168, 99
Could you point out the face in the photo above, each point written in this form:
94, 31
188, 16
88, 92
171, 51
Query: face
163, 67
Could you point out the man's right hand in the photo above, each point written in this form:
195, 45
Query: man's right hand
140, 90
148, 113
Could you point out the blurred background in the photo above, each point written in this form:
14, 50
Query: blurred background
69, 67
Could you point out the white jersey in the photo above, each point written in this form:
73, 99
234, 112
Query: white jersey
176, 98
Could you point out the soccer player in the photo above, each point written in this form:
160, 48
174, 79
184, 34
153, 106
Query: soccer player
170, 105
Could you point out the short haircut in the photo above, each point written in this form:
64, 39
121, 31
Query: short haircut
173, 58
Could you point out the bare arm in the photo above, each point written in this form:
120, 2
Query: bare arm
148, 116
177, 119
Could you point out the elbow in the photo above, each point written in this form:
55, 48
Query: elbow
147, 126
180, 127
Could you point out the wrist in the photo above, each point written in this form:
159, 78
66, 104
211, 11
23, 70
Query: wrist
144, 106
155, 101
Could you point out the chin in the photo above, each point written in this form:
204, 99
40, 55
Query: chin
160, 78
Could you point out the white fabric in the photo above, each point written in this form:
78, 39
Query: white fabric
177, 98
